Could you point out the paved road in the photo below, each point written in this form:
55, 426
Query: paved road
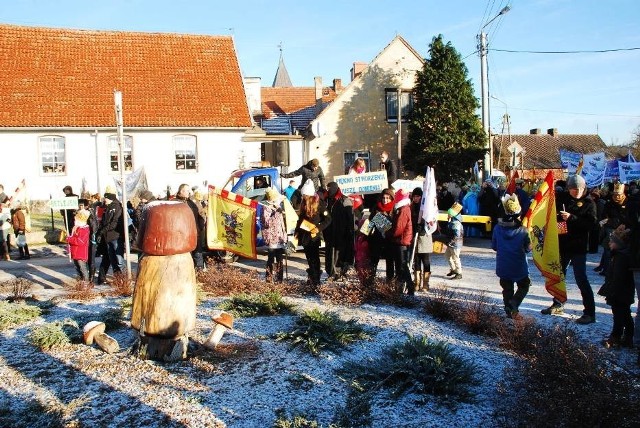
50, 268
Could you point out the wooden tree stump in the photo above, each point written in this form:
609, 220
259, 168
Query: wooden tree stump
164, 305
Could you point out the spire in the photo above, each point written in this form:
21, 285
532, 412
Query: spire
282, 77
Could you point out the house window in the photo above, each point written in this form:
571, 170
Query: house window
350, 158
391, 98
53, 155
114, 153
185, 150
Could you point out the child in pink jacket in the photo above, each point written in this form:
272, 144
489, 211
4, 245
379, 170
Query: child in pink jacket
78, 242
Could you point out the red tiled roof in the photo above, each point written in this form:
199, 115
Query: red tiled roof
66, 78
542, 150
287, 100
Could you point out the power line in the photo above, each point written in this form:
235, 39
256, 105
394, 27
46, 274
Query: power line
565, 52
576, 113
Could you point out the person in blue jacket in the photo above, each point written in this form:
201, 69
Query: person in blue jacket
512, 242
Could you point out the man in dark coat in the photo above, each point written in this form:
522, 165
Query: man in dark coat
309, 171
339, 235
111, 236
577, 209
387, 164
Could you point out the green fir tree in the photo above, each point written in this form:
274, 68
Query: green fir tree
445, 131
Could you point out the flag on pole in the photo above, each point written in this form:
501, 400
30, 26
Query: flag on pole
630, 157
231, 223
429, 203
511, 188
580, 166
542, 224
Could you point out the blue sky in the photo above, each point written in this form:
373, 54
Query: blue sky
584, 93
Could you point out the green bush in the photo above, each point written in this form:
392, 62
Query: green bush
295, 421
254, 305
15, 314
417, 365
55, 333
315, 331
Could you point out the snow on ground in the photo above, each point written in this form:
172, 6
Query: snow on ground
121, 390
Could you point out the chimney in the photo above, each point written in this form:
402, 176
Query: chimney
253, 93
317, 83
337, 85
357, 68
553, 132
536, 131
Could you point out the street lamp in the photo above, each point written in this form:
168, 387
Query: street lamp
484, 84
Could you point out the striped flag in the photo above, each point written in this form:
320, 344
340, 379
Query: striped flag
231, 223
542, 224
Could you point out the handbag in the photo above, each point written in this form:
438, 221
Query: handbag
562, 228
21, 240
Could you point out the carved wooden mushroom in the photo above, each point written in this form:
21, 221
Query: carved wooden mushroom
94, 331
222, 322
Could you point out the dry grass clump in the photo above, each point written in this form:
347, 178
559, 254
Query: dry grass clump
81, 290
478, 315
353, 292
440, 303
225, 280
122, 285
20, 288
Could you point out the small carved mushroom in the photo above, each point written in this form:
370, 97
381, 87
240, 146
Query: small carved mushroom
223, 321
94, 330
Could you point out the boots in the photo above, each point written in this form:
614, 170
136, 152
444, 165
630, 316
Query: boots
21, 251
417, 278
425, 281
279, 272
269, 274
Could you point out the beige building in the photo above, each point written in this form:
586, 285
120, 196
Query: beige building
363, 119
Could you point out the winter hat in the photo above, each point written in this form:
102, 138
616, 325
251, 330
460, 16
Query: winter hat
618, 188
271, 194
416, 192
455, 209
332, 189
110, 196
511, 204
110, 189
147, 195
308, 189
401, 199
620, 236
82, 216
576, 182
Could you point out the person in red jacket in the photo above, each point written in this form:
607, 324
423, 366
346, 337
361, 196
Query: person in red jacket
401, 235
78, 242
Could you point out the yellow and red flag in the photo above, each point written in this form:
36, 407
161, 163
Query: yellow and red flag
231, 223
511, 188
542, 224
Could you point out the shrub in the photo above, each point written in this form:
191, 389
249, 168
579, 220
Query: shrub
563, 383
354, 292
54, 334
122, 285
253, 305
81, 290
478, 315
315, 331
294, 421
417, 365
440, 303
14, 314
20, 288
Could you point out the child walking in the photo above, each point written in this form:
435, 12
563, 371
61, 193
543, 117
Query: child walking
512, 242
78, 242
455, 233
274, 234
618, 289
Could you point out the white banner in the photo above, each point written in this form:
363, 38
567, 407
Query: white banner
362, 184
70, 203
407, 185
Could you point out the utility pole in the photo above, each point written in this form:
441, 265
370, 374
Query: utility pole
117, 96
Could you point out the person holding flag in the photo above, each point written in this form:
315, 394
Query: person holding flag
578, 211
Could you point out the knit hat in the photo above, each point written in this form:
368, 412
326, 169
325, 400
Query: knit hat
620, 236
110, 189
416, 192
110, 196
308, 189
147, 195
455, 209
576, 182
82, 216
271, 194
332, 189
618, 188
401, 199
511, 204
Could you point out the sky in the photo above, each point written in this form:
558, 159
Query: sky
587, 92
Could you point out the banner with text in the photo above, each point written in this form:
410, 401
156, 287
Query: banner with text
594, 168
362, 184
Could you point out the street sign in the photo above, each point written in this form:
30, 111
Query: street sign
69, 203
515, 148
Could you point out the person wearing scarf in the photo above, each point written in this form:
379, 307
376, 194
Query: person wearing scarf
379, 245
401, 235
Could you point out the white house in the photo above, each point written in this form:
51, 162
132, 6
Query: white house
185, 112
